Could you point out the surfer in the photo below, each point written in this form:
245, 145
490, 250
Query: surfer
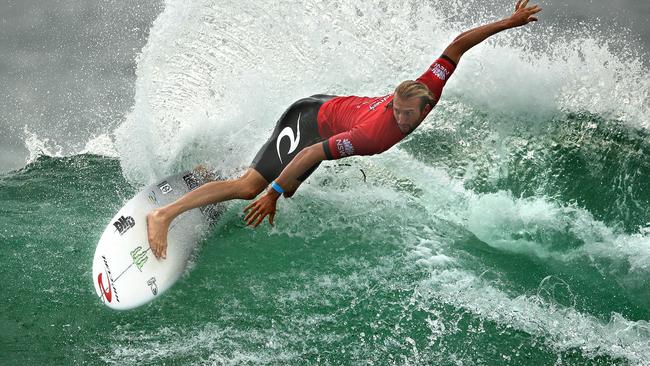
325, 127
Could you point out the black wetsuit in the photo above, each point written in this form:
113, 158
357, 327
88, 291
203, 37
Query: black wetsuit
294, 131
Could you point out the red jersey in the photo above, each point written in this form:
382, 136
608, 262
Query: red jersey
365, 125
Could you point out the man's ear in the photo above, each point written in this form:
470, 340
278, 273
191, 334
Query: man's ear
427, 109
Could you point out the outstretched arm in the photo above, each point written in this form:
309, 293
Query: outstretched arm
523, 15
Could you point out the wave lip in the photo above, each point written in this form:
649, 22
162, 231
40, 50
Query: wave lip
99, 145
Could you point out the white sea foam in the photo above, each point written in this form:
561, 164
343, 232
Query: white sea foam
540, 228
563, 328
100, 145
38, 146
214, 77
223, 345
521, 225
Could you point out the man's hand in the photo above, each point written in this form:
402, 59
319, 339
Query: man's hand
523, 14
262, 207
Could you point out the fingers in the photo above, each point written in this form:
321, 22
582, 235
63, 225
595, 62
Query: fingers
253, 210
521, 5
252, 217
254, 213
251, 213
255, 219
259, 221
260, 218
257, 215
534, 10
524, 15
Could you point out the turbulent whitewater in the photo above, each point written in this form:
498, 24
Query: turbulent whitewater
513, 227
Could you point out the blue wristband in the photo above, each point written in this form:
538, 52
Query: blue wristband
276, 187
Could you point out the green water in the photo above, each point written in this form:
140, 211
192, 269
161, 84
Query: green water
475, 254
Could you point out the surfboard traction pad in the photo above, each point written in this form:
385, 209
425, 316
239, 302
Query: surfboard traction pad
187, 229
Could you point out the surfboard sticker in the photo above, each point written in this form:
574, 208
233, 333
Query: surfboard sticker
126, 274
164, 187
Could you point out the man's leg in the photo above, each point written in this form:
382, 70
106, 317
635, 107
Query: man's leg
266, 166
246, 187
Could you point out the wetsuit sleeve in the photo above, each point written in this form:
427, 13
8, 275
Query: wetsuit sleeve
348, 143
437, 75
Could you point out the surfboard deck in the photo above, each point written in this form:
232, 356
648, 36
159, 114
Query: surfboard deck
125, 273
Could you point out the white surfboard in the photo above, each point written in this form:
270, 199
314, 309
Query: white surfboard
126, 274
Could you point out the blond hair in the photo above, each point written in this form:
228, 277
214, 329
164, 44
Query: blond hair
414, 89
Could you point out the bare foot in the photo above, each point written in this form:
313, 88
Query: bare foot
157, 227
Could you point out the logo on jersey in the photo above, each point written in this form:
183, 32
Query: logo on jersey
344, 147
294, 140
439, 71
378, 103
164, 187
123, 224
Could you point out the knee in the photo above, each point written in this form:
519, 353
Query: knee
249, 190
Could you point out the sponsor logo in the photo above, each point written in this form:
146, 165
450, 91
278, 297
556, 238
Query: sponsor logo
123, 224
294, 140
107, 293
164, 187
344, 147
139, 257
376, 104
191, 181
152, 284
152, 198
211, 212
440, 71
362, 104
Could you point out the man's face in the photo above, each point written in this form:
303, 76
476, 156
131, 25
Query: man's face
407, 113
